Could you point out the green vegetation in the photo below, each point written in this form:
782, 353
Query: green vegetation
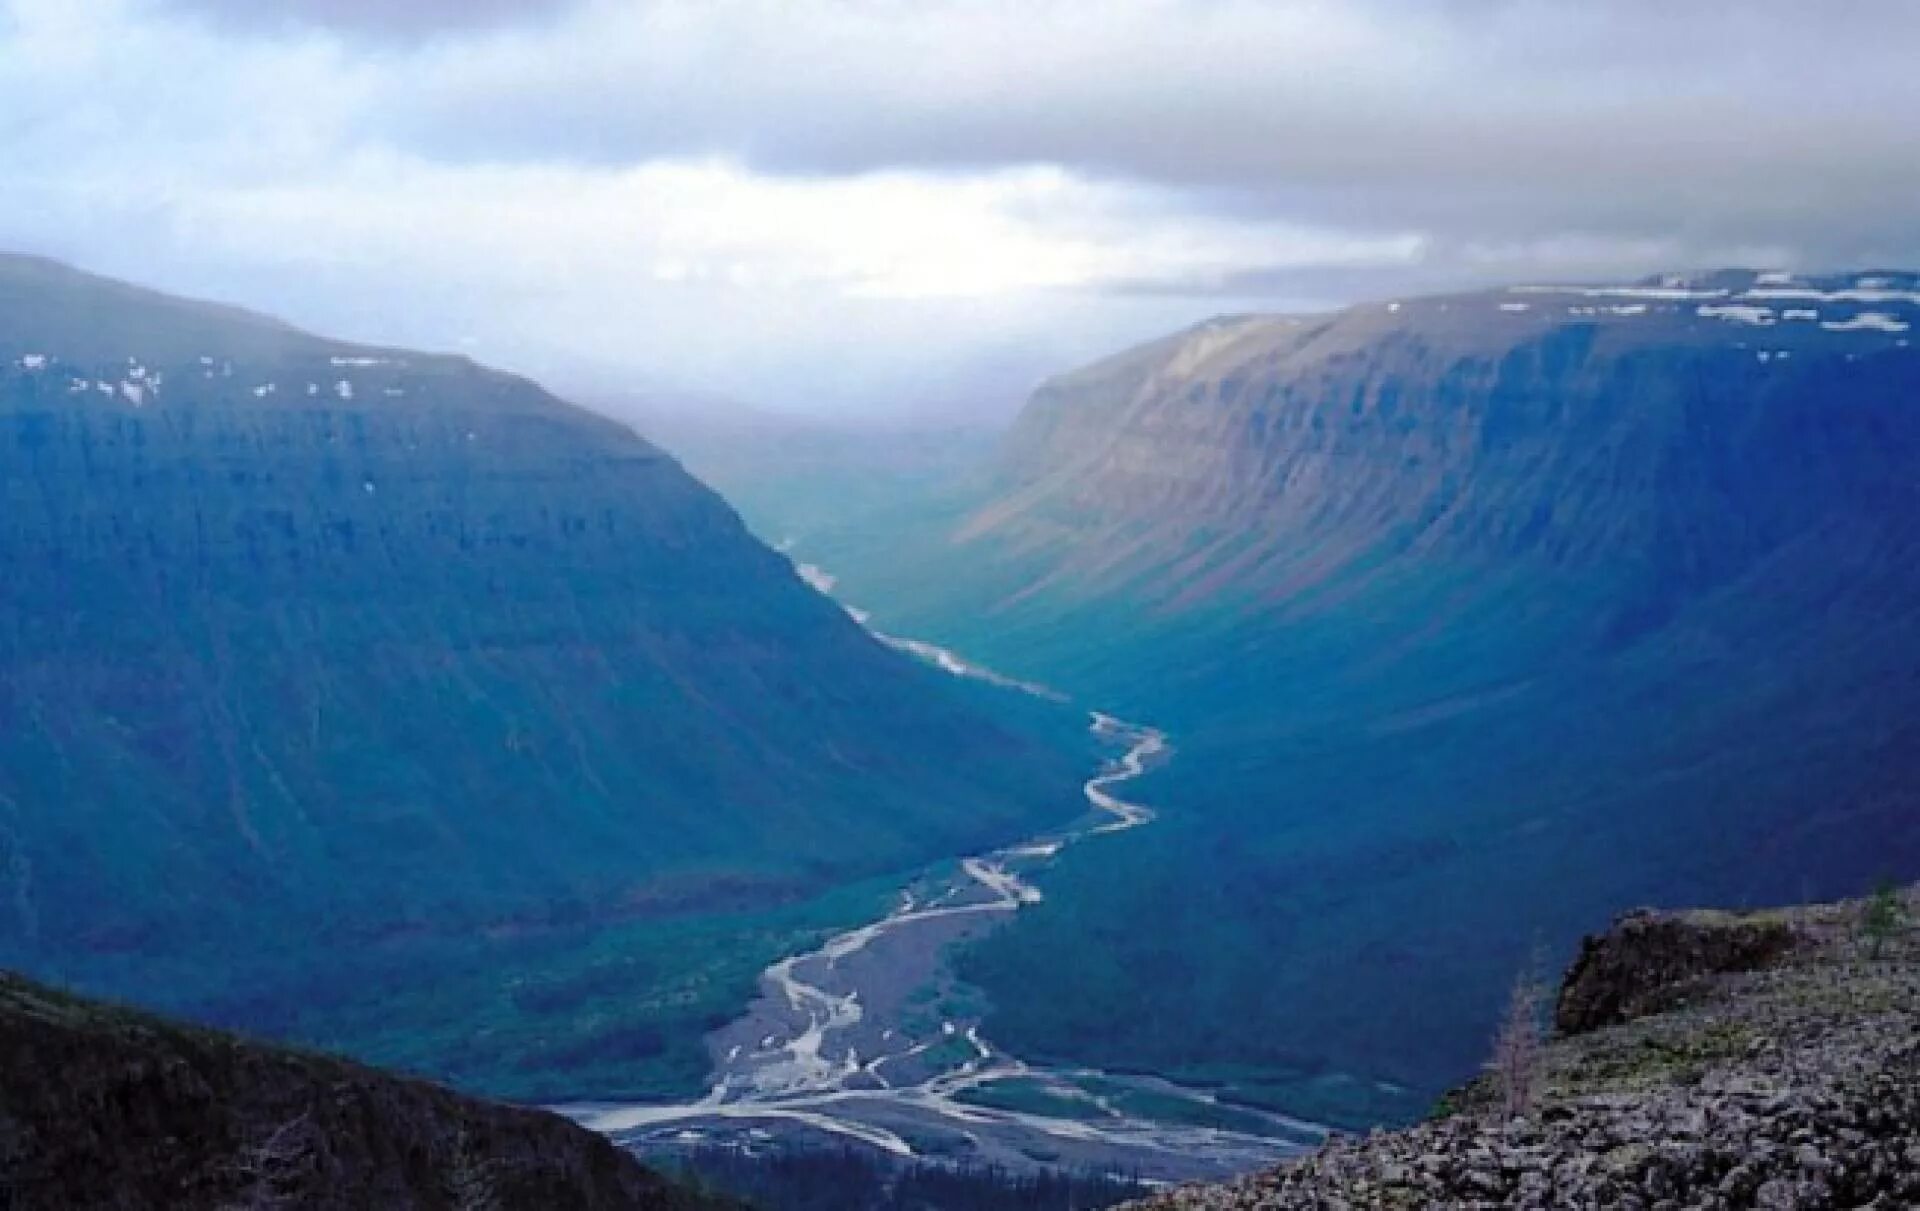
1392, 784
348, 692
1881, 917
612, 1012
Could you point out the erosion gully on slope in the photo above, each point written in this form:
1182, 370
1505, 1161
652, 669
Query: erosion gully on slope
845, 1042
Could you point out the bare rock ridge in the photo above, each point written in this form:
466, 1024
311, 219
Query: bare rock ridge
1703, 1059
106, 1108
1648, 959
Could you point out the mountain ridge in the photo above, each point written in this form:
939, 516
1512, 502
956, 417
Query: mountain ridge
1266, 417
383, 649
1471, 624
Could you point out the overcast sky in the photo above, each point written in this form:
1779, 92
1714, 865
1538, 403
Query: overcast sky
864, 205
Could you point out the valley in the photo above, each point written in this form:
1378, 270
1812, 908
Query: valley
866, 1038
481, 696
861, 605
1478, 616
587, 795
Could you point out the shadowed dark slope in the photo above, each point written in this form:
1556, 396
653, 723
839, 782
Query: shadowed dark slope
105, 1108
304, 640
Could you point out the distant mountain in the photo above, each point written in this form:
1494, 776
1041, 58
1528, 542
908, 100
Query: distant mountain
771, 466
1471, 617
312, 652
1674, 432
103, 1107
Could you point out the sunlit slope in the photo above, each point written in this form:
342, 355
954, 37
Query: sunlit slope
1473, 617
309, 645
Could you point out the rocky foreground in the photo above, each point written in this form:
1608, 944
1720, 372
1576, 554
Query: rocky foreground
1698, 1059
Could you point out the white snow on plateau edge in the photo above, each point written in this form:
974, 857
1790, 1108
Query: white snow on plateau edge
1867, 321
1739, 313
1661, 293
1856, 294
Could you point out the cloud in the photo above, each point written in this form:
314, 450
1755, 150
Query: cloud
405, 20
1497, 119
862, 199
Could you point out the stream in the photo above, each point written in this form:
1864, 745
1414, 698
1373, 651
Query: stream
859, 1041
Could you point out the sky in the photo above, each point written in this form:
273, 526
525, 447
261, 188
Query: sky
868, 207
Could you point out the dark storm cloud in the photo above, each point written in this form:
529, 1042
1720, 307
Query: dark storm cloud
1712, 126
719, 191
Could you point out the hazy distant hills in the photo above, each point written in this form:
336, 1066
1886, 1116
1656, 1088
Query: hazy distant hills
1471, 615
311, 650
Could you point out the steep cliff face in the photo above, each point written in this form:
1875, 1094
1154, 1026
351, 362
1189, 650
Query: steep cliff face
307, 640
1671, 434
104, 1108
1472, 617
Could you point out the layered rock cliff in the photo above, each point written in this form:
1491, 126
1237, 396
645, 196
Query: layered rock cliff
306, 646
1474, 617
1674, 432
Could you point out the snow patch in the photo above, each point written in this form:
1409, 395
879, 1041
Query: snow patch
33, 361
1515, 306
1737, 313
1659, 293
1855, 294
818, 579
1867, 321
343, 389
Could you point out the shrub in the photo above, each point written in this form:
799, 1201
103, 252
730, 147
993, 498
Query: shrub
1881, 918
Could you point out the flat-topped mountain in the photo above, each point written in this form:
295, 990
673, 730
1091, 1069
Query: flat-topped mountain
1472, 618
1678, 430
309, 648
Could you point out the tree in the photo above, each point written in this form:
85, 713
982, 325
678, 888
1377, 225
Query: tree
1881, 918
1516, 1059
